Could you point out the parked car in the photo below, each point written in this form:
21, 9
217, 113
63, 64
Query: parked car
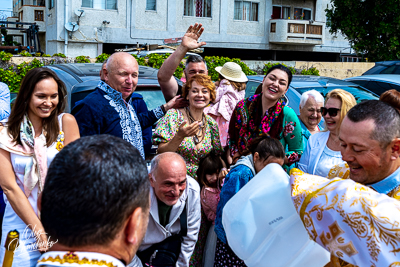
384, 67
377, 83
303, 83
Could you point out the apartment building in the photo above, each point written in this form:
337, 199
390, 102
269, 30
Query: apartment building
256, 29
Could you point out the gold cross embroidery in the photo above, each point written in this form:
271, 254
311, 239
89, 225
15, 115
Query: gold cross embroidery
335, 244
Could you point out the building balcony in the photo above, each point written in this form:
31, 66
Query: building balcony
296, 32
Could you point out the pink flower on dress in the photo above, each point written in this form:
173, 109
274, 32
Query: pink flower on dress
289, 128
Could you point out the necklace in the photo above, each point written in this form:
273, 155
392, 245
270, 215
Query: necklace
201, 132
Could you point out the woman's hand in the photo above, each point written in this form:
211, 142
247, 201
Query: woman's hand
187, 131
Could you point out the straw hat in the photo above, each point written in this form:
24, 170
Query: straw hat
232, 71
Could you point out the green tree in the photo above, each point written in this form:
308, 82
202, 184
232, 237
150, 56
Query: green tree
371, 26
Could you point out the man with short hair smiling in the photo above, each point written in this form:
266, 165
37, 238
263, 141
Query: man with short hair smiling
194, 64
172, 192
370, 144
109, 109
95, 203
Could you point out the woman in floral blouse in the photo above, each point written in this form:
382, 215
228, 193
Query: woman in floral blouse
188, 131
192, 134
266, 113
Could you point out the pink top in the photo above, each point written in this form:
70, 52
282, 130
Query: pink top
222, 108
209, 201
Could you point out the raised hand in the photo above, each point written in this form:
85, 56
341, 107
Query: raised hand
191, 37
187, 131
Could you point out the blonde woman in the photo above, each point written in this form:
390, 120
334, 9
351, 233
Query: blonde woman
323, 148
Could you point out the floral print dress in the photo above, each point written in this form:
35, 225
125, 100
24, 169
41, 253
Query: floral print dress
168, 126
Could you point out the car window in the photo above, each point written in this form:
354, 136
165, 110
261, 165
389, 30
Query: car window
251, 88
152, 96
362, 83
359, 93
389, 70
375, 70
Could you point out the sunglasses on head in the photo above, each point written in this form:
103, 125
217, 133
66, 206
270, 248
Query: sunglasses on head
332, 111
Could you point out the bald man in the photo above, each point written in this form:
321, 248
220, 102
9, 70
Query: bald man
171, 192
108, 110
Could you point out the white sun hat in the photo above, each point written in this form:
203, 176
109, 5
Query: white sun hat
232, 71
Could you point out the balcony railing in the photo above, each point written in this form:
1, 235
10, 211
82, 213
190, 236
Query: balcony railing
304, 32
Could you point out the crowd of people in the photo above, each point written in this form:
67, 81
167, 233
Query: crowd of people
77, 188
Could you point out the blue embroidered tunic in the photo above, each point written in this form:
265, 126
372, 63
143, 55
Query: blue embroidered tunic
105, 112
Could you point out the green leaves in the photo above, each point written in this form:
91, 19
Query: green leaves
156, 61
216, 61
82, 59
101, 58
372, 26
5, 56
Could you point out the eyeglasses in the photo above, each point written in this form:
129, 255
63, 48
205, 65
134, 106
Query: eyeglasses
332, 111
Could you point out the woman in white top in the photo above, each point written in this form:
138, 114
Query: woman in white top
323, 148
29, 140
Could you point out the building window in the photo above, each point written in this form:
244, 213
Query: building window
279, 12
151, 5
302, 13
51, 4
285, 12
39, 15
100, 4
246, 10
198, 8
21, 16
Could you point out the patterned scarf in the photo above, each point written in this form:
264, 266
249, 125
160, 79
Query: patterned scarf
249, 122
36, 170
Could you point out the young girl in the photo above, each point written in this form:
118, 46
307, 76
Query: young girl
211, 174
231, 89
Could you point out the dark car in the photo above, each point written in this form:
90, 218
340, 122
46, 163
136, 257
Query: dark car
303, 83
384, 67
377, 83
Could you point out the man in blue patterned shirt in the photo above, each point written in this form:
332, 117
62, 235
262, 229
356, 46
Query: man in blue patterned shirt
105, 111
4, 101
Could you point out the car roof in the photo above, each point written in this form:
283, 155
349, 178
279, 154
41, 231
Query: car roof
93, 69
392, 78
92, 84
300, 81
388, 63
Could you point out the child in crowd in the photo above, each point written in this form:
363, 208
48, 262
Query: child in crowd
231, 89
211, 175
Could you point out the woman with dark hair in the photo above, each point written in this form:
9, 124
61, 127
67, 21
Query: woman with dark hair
35, 132
267, 113
262, 150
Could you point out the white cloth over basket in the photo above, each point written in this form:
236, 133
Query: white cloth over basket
263, 227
